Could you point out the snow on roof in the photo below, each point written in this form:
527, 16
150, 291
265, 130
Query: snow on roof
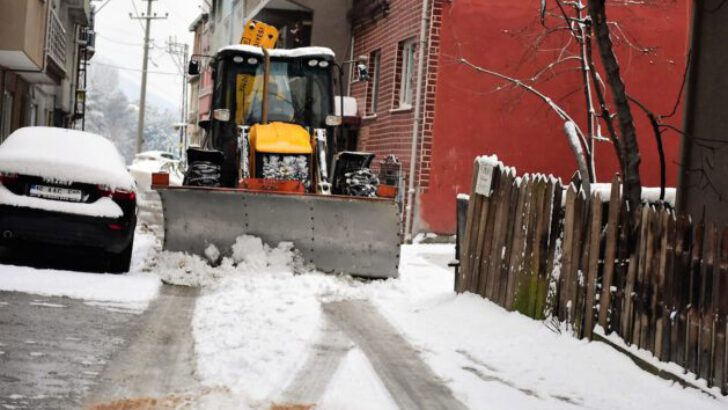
281, 52
64, 154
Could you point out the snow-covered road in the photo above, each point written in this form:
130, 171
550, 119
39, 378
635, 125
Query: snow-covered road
265, 330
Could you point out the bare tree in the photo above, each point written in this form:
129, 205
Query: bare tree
590, 34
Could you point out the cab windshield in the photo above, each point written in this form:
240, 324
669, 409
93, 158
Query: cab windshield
299, 90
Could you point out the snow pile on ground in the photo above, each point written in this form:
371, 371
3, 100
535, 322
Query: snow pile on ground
256, 317
249, 256
256, 321
133, 290
496, 359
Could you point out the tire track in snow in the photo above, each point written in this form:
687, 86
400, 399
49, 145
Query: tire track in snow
309, 384
159, 359
409, 380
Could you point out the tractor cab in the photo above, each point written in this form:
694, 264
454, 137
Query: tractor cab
272, 115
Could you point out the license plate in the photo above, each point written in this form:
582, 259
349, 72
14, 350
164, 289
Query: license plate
51, 192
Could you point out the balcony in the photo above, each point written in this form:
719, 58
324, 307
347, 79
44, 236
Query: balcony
56, 43
79, 11
23, 34
364, 11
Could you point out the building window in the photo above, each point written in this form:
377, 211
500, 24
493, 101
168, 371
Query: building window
373, 86
405, 63
6, 115
33, 115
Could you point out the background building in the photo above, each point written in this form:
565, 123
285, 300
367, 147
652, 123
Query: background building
414, 49
44, 47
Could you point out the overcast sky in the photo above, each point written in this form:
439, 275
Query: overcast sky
119, 42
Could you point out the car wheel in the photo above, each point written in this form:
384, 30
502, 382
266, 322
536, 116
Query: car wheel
120, 262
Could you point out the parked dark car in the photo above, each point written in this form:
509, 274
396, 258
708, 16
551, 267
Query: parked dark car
68, 188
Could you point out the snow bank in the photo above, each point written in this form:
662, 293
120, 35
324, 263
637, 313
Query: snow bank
256, 321
130, 291
503, 360
102, 208
249, 255
256, 318
64, 154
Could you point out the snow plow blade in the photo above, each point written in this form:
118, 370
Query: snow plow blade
357, 236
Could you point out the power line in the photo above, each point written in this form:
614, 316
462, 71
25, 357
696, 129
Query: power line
136, 69
136, 12
123, 43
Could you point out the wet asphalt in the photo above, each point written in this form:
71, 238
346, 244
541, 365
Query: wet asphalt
52, 350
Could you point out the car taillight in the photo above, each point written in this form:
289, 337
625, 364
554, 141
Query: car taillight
7, 178
122, 195
117, 195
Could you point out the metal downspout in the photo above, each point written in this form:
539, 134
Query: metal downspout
409, 217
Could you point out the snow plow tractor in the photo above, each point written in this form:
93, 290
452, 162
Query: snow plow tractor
269, 166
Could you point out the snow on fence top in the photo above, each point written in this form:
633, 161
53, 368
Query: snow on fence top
68, 155
603, 190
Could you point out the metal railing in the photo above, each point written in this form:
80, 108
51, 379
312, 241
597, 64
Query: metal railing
56, 41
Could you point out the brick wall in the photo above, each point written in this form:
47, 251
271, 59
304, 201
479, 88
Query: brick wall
389, 129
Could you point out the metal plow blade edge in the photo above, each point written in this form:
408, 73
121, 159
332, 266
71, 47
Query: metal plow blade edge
337, 234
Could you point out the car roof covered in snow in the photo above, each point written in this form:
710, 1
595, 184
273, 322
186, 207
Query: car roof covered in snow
67, 155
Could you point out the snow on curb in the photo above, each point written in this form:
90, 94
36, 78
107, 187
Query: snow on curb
129, 291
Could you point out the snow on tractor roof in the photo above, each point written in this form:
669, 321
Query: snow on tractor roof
280, 52
68, 155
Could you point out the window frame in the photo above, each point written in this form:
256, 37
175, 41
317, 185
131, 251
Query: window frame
6, 114
408, 49
375, 63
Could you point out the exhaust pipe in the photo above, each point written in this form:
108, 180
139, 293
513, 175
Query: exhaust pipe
7, 234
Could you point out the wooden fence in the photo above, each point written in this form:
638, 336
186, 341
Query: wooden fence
546, 251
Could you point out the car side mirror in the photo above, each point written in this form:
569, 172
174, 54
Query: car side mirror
194, 67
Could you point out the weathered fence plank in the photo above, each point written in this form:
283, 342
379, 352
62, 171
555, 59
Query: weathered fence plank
568, 256
488, 237
467, 255
610, 254
518, 244
593, 267
693, 332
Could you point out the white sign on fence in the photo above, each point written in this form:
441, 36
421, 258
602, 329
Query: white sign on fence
485, 179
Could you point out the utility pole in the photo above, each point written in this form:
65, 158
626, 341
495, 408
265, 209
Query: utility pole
180, 54
148, 17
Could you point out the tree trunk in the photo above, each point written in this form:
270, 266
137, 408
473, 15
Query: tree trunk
631, 154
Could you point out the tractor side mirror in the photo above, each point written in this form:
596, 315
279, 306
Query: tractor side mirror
334, 120
194, 67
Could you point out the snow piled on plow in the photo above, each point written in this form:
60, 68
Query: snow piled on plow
249, 256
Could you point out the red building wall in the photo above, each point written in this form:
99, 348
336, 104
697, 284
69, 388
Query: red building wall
473, 117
